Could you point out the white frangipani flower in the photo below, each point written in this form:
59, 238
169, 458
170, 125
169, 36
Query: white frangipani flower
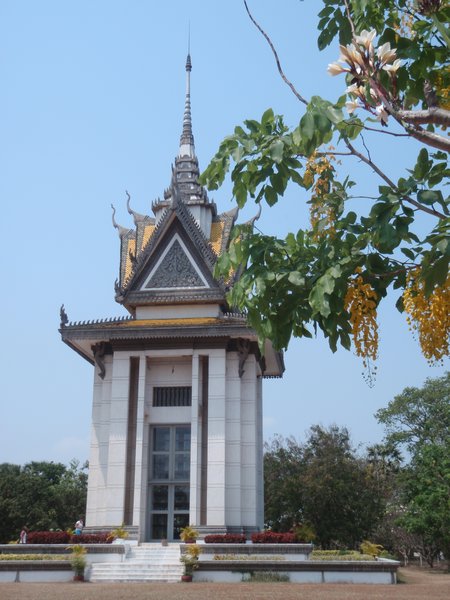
392, 69
352, 89
385, 53
381, 114
356, 90
365, 38
373, 95
336, 69
352, 106
351, 55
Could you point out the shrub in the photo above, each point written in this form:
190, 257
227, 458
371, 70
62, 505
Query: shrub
119, 533
190, 559
226, 538
48, 537
305, 533
188, 534
78, 559
272, 537
63, 537
371, 548
340, 555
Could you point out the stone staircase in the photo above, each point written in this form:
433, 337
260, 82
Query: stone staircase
144, 563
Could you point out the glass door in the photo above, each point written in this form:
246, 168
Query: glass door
170, 461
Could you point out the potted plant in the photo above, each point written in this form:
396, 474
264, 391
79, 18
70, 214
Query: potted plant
188, 534
190, 561
78, 561
118, 535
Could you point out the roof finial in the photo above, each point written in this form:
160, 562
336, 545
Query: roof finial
187, 138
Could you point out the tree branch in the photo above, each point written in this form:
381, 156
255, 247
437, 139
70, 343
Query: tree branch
427, 137
349, 18
280, 70
391, 184
436, 115
386, 132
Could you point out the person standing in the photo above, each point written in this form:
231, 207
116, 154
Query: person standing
23, 535
79, 527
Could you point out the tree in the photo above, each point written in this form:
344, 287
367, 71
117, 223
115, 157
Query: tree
283, 469
322, 483
419, 420
41, 495
333, 273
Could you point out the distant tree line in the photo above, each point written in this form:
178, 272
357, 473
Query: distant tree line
41, 496
340, 496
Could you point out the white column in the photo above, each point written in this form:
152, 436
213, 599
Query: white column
216, 438
259, 455
233, 442
196, 443
98, 456
115, 493
140, 472
249, 438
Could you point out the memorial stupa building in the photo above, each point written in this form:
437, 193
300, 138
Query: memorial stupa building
177, 395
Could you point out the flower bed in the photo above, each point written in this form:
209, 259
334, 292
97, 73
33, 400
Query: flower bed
345, 555
62, 537
227, 538
258, 557
34, 557
271, 537
48, 537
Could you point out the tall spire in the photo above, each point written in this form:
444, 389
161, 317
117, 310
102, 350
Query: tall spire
187, 138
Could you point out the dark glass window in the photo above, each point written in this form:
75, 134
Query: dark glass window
183, 439
161, 439
181, 500
161, 497
160, 466
172, 396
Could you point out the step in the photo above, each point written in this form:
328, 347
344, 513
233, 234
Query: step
147, 562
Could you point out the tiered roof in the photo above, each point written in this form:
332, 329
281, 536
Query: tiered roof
168, 260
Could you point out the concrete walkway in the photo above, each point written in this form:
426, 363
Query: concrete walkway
418, 585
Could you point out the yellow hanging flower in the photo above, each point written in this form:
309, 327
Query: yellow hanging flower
318, 173
428, 317
361, 303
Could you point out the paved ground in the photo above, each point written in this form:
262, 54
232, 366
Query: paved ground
418, 585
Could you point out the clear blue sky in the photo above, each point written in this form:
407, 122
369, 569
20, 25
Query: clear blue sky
92, 101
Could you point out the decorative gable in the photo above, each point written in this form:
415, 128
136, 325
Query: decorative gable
175, 268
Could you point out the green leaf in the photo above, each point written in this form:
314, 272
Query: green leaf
307, 127
276, 151
409, 253
270, 195
423, 164
430, 197
296, 278
439, 272
297, 136
267, 117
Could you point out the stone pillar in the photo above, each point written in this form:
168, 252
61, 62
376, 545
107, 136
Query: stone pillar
233, 443
216, 439
196, 442
141, 465
250, 439
98, 458
115, 496
259, 454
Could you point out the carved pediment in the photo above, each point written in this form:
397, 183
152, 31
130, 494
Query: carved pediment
175, 269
